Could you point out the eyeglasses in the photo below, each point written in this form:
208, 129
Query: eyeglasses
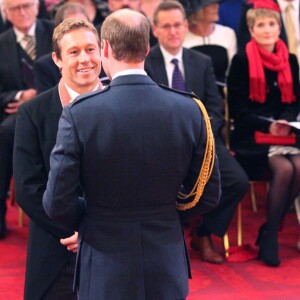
17, 8
168, 27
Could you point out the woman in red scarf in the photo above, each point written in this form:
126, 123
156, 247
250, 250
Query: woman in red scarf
264, 82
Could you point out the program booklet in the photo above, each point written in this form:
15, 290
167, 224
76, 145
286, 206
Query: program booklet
294, 124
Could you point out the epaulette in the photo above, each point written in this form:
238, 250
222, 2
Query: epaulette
89, 95
192, 95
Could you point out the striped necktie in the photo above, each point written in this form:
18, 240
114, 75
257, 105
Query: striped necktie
177, 78
30, 46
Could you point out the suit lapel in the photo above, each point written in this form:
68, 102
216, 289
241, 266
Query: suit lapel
188, 70
13, 52
56, 106
158, 65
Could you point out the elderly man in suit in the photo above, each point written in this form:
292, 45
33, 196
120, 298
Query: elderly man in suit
132, 147
20, 45
170, 26
50, 266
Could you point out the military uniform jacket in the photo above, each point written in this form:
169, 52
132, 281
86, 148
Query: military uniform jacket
131, 146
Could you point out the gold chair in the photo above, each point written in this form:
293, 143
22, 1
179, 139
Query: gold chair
229, 126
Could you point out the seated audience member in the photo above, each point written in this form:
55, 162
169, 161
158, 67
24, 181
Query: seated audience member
264, 82
97, 10
27, 39
5, 23
205, 35
290, 36
197, 77
50, 264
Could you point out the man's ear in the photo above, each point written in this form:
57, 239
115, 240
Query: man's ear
154, 30
105, 47
56, 60
148, 49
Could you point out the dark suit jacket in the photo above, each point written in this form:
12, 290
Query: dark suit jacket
10, 69
131, 146
197, 68
36, 128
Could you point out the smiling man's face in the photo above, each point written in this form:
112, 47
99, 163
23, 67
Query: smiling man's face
80, 60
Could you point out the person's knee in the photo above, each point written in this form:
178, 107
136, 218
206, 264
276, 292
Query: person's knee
285, 172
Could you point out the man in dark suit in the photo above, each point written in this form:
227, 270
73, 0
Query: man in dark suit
20, 45
50, 266
132, 146
170, 27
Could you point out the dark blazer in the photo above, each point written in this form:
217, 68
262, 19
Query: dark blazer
36, 128
197, 68
10, 69
246, 112
131, 146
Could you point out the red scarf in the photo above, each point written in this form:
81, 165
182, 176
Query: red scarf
259, 59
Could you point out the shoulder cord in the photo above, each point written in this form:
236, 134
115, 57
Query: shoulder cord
206, 168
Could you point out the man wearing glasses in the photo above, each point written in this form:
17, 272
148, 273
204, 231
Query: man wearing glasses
185, 69
26, 40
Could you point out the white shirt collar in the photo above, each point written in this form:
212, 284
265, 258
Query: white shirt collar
74, 94
20, 35
130, 72
168, 56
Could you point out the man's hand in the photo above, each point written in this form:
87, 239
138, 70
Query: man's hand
71, 242
12, 107
27, 94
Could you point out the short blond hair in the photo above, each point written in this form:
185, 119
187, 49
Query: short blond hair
67, 26
254, 14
